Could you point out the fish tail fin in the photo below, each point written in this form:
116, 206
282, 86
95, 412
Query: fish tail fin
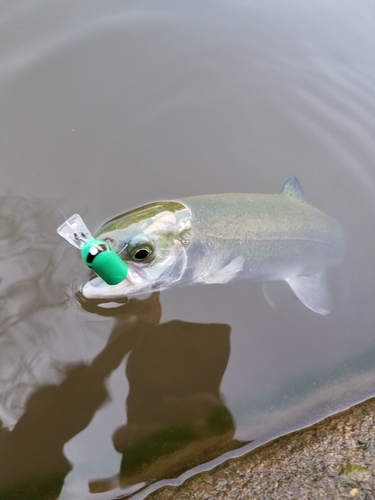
312, 291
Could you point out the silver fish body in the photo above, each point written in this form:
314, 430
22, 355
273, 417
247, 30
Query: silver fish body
223, 238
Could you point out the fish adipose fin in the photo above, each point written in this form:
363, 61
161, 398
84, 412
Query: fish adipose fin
227, 273
292, 188
312, 291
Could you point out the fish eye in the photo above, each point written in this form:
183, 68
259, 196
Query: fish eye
141, 254
140, 249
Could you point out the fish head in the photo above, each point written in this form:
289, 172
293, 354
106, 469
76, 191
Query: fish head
152, 241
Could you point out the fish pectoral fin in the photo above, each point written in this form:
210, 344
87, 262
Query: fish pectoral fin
312, 291
226, 273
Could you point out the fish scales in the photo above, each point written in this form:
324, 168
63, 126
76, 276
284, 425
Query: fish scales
270, 231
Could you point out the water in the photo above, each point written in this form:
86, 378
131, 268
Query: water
107, 105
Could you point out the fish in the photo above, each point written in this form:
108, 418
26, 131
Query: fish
225, 238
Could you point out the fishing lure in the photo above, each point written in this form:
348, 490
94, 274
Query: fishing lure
95, 253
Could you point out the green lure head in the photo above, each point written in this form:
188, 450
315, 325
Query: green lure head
95, 253
104, 261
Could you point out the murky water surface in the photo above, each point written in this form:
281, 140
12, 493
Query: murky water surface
107, 105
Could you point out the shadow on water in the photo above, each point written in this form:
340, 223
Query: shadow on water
176, 417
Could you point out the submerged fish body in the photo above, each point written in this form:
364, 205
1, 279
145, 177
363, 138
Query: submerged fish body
225, 238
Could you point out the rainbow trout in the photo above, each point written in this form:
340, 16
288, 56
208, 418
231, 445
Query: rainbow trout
224, 238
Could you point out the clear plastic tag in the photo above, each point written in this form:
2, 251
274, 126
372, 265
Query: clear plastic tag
75, 231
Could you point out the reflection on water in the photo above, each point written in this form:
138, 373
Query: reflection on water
107, 106
33, 291
32, 456
176, 417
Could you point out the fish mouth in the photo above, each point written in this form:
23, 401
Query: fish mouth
99, 289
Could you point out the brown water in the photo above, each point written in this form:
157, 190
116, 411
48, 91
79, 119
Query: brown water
107, 105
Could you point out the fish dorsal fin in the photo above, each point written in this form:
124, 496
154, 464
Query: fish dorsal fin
312, 291
292, 188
